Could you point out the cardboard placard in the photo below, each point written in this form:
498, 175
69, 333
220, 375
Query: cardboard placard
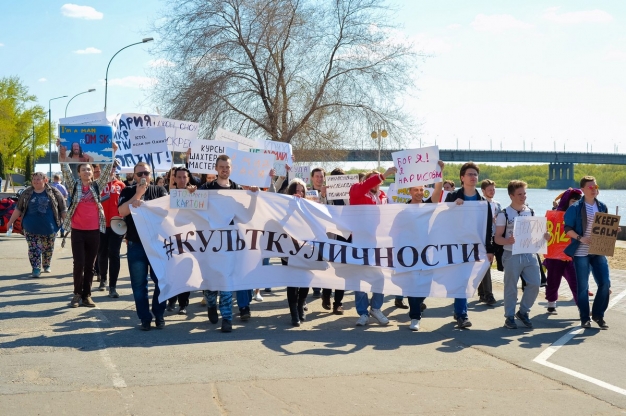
604, 234
558, 239
529, 235
338, 186
85, 144
182, 199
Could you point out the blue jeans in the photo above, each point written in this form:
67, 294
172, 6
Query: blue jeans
362, 302
138, 265
415, 307
460, 307
244, 297
226, 302
600, 269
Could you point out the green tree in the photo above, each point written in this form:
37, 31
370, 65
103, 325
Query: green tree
19, 114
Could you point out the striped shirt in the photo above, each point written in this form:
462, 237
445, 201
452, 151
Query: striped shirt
583, 249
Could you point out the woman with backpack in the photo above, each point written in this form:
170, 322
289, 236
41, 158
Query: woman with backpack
86, 219
42, 209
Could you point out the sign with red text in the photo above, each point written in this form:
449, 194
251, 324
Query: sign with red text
338, 186
252, 169
204, 153
558, 239
417, 167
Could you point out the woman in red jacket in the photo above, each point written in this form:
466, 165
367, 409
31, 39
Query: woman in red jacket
368, 193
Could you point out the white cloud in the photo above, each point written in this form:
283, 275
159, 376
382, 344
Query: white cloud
133, 82
584, 16
497, 23
454, 26
159, 63
86, 51
81, 12
42, 80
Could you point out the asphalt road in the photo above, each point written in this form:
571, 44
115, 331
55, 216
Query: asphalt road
56, 360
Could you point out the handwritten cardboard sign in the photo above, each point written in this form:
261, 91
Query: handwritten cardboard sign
529, 235
123, 124
417, 167
338, 186
243, 143
98, 118
85, 144
604, 234
252, 169
149, 140
301, 172
179, 133
558, 239
204, 154
182, 199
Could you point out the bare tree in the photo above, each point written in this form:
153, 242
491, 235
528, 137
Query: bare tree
316, 74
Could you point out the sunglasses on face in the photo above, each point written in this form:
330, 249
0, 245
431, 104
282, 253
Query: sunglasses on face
592, 187
144, 173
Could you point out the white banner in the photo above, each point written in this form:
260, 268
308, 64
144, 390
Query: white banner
302, 172
243, 143
417, 167
182, 199
204, 154
123, 124
529, 235
433, 250
252, 169
99, 118
338, 186
150, 140
179, 133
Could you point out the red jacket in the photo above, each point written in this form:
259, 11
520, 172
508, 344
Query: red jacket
360, 192
112, 190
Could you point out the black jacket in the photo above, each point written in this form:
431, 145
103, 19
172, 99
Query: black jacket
458, 194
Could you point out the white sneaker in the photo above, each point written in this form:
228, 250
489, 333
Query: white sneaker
378, 315
415, 325
258, 297
363, 320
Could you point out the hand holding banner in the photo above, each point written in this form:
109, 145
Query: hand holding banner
417, 167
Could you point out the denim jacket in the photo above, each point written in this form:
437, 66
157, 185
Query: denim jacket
576, 219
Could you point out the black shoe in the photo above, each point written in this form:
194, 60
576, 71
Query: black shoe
483, 299
145, 326
524, 318
463, 323
160, 324
400, 304
586, 324
171, 304
317, 293
293, 311
182, 311
103, 286
267, 290
326, 301
601, 323
552, 311
337, 309
490, 300
227, 325
212, 312
244, 313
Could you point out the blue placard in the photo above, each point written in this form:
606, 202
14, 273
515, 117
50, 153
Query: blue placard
85, 144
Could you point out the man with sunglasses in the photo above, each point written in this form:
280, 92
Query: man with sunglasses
138, 262
578, 224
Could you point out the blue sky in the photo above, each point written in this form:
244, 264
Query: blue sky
535, 74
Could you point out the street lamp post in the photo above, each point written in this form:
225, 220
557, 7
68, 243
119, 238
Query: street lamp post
106, 77
50, 134
84, 92
378, 134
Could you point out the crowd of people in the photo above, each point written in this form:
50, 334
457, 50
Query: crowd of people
85, 206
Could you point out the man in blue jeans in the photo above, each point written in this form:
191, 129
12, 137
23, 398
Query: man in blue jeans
138, 262
578, 224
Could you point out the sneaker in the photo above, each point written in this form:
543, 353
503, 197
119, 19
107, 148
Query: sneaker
88, 302
586, 324
415, 325
227, 325
524, 318
509, 322
212, 312
103, 286
378, 315
171, 304
182, 311
36, 273
490, 300
423, 307
160, 324
463, 322
363, 320
113, 294
601, 323
267, 290
145, 326
400, 304
258, 297
326, 301
552, 311
244, 313
75, 303
338, 310
47, 270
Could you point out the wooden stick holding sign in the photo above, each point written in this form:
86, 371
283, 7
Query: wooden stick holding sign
604, 234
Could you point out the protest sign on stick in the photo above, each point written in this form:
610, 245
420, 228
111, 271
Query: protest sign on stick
182, 199
604, 234
558, 239
204, 153
417, 167
85, 144
149, 140
338, 186
252, 169
529, 235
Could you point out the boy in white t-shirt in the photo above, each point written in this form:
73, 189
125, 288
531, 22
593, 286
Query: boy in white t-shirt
516, 265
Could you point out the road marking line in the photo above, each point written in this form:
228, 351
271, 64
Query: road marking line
548, 352
116, 377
